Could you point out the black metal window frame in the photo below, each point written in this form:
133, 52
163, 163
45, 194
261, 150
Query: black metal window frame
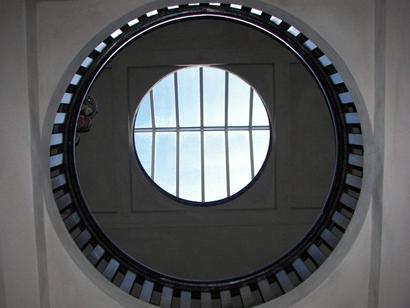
265, 284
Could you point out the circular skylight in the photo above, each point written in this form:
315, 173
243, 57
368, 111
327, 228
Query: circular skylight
201, 134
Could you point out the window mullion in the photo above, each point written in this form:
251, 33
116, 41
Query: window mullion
177, 132
201, 111
198, 129
250, 133
151, 95
228, 192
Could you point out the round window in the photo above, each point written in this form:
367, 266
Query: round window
201, 134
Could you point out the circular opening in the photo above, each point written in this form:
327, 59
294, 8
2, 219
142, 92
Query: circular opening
135, 201
201, 134
233, 253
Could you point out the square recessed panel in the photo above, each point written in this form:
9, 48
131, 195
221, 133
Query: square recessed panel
201, 121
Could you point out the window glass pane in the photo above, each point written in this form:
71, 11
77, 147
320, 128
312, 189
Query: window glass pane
143, 145
215, 166
165, 161
214, 97
143, 119
189, 96
239, 97
239, 160
259, 114
190, 166
260, 141
164, 102
188, 177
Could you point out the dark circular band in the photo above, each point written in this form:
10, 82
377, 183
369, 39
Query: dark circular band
282, 274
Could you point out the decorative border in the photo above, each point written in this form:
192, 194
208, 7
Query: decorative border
280, 276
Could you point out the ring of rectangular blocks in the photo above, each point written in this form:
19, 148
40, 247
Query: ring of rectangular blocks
281, 275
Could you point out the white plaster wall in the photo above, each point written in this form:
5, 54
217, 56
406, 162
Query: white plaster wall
39, 264
19, 264
395, 218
